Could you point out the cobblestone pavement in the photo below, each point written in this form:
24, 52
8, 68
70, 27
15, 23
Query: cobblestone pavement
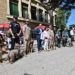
57, 62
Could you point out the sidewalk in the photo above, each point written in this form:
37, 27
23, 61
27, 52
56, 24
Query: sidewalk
57, 62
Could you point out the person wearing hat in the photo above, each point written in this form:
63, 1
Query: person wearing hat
15, 31
26, 33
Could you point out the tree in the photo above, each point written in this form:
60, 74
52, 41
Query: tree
62, 17
72, 25
64, 5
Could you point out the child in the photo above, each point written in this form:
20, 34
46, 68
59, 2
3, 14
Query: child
46, 38
9, 41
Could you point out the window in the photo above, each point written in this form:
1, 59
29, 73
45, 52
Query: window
40, 15
24, 10
33, 13
14, 7
46, 16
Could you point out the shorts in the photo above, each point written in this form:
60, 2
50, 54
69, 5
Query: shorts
72, 38
16, 39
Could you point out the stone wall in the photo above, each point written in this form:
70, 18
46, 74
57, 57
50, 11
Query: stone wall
3, 11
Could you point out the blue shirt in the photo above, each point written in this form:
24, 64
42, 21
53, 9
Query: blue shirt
38, 33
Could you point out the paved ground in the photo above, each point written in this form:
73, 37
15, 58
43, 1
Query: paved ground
57, 62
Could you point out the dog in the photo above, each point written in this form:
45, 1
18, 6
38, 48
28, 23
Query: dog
12, 55
69, 43
52, 44
29, 46
15, 54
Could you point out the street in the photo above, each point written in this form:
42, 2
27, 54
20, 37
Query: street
54, 62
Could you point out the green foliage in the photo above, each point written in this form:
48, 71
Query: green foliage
64, 11
68, 13
63, 4
73, 25
62, 17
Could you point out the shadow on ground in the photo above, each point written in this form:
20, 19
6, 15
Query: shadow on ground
27, 74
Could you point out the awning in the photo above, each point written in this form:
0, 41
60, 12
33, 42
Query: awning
5, 25
1, 25
40, 27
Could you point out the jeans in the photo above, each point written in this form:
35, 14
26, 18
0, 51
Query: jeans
64, 42
39, 44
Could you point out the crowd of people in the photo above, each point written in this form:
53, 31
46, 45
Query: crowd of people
65, 37
47, 38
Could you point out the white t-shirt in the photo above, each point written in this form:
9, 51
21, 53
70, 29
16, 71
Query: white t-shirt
44, 35
71, 32
1, 32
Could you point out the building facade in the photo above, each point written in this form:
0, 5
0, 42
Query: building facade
24, 9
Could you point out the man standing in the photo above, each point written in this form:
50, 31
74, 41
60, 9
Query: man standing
45, 38
26, 33
72, 35
58, 37
38, 36
1, 45
51, 37
15, 31
64, 37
